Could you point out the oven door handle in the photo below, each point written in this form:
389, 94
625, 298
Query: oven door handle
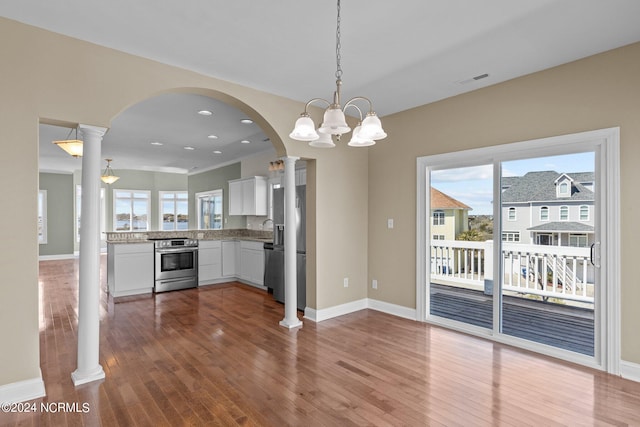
174, 250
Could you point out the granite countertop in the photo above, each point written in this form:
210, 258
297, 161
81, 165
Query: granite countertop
230, 234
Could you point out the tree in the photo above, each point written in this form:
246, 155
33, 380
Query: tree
473, 235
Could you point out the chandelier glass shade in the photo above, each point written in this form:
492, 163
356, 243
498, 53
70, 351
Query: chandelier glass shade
323, 141
334, 121
108, 177
72, 146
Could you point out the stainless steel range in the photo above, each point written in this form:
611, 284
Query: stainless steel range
176, 264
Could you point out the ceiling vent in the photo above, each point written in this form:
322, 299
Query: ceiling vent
473, 79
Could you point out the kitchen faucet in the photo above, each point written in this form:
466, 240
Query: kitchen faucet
267, 220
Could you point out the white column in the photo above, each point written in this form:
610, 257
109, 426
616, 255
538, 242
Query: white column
290, 272
89, 264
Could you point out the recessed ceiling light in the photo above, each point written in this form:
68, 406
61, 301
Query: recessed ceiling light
156, 143
245, 141
246, 121
217, 152
205, 112
189, 148
212, 137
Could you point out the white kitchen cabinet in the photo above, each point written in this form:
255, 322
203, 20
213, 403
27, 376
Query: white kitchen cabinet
248, 196
209, 261
130, 268
230, 258
252, 262
235, 197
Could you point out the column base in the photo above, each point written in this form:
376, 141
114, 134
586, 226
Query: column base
87, 377
291, 324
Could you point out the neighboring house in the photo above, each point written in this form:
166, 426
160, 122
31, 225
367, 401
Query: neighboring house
449, 217
548, 208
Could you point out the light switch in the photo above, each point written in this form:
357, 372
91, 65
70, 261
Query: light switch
390, 223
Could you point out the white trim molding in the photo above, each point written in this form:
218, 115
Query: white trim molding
362, 304
56, 257
630, 370
335, 311
393, 309
22, 391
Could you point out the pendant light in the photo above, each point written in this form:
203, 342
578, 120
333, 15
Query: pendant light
108, 176
71, 146
334, 122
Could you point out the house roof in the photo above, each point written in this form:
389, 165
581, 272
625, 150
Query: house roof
439, 200
564, 227
540, 186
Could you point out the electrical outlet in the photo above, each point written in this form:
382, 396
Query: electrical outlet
374, 284
346, 282
390, 223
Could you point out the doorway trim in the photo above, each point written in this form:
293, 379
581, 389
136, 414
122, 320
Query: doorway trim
607, 355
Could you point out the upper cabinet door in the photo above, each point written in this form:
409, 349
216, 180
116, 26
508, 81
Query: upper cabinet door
235, 197
248, 196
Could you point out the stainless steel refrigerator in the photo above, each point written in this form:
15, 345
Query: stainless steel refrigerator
274, 252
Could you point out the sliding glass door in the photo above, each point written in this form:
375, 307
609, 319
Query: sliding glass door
547, 222
513, 248
460, 228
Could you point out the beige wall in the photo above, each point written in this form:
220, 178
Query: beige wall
62, 80
597, 92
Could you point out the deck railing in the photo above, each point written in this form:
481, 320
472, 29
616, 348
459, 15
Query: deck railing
547, 271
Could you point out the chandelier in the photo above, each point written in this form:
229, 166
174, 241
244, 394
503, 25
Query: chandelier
366, 133
72, 146
108, 177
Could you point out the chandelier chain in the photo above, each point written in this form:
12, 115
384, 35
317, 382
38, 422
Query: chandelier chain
338, 46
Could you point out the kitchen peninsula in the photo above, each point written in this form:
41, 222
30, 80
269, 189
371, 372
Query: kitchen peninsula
222, 256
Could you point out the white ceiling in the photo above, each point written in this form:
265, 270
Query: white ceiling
399, 54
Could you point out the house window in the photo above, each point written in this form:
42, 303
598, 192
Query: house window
42, 217
564, 213
174, 210
512, 214
544, 239
510, 236
563, 189
578, 240
438, 218
438, 237
584, 213
131, 210
209, 210
544, 213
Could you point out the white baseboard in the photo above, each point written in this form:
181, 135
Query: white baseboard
351, 307
56, 257
22, 390
393, 309
335, 311
630, 371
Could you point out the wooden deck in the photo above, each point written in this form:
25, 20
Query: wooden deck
562, 326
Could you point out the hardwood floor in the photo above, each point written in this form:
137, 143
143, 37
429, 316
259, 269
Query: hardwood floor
216, 356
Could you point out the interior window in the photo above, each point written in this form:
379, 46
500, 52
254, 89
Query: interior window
174, 210
131, 210
209, 210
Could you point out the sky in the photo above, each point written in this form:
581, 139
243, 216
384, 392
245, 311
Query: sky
473, 186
